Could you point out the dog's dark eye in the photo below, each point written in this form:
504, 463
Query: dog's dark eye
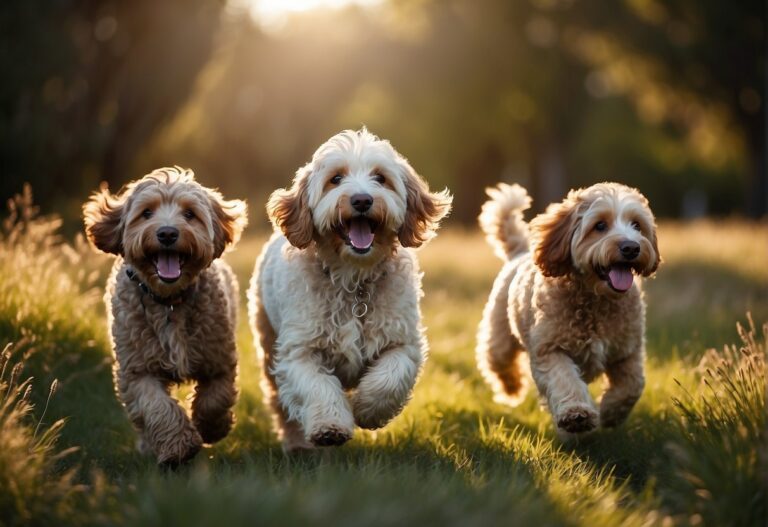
636, 225
600, 226
188, 214
336, 179
146, 214
378, 178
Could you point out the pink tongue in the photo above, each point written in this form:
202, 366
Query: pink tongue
168, 265
360, 233
620, 277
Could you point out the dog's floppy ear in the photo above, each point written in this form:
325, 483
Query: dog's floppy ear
657, 259
229, 218
288, 209
103, 218
552, 232
424, 209
648, 231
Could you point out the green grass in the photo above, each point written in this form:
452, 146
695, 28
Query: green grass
688, 455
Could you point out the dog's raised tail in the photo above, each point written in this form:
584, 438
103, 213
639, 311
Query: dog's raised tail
502, 221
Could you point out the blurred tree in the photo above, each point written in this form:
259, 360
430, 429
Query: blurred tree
461, 88
697, 64
551, 93
86, 83
527, 99
471, 92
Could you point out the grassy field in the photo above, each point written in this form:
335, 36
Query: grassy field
690, 453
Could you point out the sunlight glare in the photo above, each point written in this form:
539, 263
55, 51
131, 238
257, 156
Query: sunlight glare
272, 14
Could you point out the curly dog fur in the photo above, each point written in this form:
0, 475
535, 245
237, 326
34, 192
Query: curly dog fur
171, 305
334, 299
570, 300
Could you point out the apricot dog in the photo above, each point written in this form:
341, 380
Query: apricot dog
570, 300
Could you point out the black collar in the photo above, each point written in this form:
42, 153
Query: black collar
171, 301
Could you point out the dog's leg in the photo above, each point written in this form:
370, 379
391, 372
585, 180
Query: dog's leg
289, 432
626, 382
315, 399
163, 424
500, 356
386, 386
559, 381
212, 407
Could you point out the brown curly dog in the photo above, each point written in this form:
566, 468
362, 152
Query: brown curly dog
171, 306
571, 301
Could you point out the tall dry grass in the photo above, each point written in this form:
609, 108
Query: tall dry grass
719, 451
50, 289
33, 490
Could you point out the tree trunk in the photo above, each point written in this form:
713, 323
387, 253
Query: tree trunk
549, 180
483, 169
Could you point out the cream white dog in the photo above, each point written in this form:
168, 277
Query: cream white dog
334, 299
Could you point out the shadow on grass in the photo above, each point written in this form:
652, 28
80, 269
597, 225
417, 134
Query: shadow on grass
633, 452
445, 441
444, 478
441, 470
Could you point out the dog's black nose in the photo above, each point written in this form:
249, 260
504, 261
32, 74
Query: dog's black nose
167, 235
361, 202
629, 250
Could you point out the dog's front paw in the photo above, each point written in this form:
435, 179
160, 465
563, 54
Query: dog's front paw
371, 422
330, 436
577, 419
179, 450
213, 429
371, 413
615, 413
375, 419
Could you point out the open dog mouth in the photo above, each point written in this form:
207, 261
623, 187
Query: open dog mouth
168, 265
619, 276
358, 233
